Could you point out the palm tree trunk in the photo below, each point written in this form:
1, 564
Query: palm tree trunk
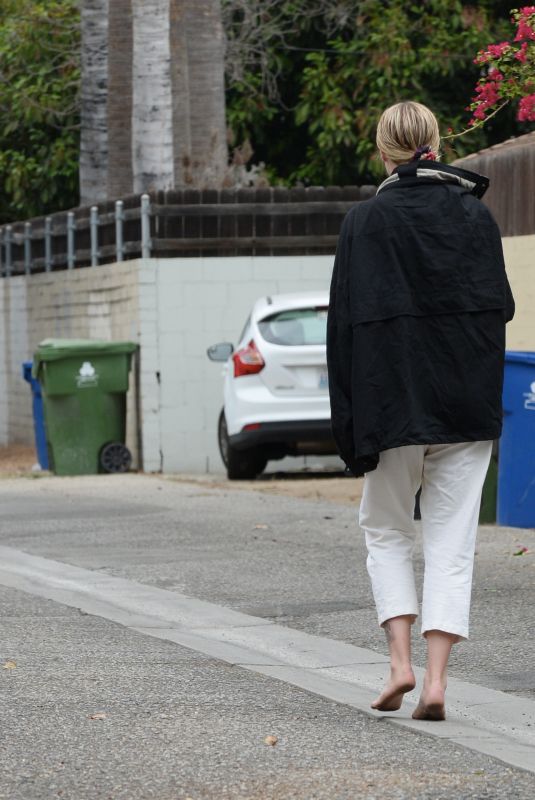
120, 42
201, 158
94, 138
182, 154
152, 123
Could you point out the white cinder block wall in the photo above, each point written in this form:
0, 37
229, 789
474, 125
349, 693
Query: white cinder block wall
200, 302
176, 308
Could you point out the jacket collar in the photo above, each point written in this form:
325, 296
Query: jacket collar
430, 171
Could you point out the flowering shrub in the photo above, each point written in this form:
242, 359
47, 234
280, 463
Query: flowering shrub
509, 73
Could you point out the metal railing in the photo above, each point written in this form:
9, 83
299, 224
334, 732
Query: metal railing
272, 221
10, 238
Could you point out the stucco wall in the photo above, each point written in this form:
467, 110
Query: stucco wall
519, 254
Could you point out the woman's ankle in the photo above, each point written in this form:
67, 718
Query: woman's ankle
401, 668
435, 682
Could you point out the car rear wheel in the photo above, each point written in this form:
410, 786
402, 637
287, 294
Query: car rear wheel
240, 464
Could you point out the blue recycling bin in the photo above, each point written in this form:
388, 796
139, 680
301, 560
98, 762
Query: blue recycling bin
516, 470
38, 416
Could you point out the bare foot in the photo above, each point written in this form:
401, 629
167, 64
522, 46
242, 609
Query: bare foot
391, 697
431, 705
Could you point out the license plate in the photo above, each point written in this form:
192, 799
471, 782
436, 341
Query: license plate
323, 382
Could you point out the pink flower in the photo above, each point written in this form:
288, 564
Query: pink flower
521, 54
497, 50
526, 109
479, 113
527, 11
495, 74
524, 31
488, 93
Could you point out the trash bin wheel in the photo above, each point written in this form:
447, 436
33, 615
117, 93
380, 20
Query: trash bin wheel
115, 457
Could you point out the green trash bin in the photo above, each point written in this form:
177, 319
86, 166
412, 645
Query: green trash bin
84, 386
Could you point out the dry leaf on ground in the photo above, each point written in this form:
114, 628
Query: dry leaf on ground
98, 715
9, 665
271, 740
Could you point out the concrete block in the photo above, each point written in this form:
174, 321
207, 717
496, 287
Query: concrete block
174, 319
231, 270
175, 272
185, 418
317, 268
172, 345
171, 298
276, 267
209, 294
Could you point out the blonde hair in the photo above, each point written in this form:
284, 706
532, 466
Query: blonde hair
403, 128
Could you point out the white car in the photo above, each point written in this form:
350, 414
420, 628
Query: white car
276, 396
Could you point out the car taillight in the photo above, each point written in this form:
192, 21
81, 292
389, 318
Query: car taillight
248, 360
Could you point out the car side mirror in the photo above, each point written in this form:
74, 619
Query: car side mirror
220, 352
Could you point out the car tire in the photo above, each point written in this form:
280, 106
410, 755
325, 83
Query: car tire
241, 465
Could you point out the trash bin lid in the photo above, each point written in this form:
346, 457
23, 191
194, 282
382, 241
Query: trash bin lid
57, 349
522, 356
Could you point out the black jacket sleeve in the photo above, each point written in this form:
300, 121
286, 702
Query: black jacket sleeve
340, 349
509, 300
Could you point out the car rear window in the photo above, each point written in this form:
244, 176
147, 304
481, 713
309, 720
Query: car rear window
298, 326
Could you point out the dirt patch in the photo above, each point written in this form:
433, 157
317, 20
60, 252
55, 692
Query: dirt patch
306, 486
16, 459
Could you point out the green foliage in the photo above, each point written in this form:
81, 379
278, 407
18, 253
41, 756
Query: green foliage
39, 118
334, 85
307, 80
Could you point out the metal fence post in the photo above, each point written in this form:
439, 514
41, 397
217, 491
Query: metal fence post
93, 223
48, 244
71, 228
27, 248
119, 219
9, 256
146, 244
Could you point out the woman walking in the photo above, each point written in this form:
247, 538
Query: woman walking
415, 349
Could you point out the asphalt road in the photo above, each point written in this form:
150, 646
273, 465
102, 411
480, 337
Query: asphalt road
178, 723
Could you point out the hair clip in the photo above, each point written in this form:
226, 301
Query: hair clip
424, 153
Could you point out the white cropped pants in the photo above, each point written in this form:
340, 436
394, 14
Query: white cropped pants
451, 477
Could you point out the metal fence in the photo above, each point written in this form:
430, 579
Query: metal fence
225, 222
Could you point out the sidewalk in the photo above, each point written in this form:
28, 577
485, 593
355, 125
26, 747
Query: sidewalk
177, 724
297, 564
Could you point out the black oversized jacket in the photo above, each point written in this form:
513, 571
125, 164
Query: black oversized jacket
416, 327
